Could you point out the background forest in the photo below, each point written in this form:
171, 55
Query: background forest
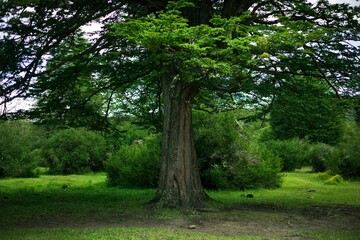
237, 149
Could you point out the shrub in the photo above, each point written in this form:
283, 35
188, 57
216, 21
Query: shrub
320, 154
325, 175
227, 157
217, 139
216, 177
330, 177
263, 173
244, 173
75, 150
18, 143
335, 180
346, 156
294, 153
136, 164
132, 132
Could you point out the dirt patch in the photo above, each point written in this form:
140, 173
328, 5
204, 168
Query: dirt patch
234, 220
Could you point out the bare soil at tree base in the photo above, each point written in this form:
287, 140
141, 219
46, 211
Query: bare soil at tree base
232, 220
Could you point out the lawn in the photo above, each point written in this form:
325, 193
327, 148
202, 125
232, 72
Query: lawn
82, 207
299, 189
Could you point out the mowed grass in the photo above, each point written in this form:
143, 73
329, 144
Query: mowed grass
72, 196
86, 199
111, 233
299, 189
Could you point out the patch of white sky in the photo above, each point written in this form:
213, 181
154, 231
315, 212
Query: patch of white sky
351, 2
92, 28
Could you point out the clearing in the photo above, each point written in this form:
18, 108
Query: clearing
81, 207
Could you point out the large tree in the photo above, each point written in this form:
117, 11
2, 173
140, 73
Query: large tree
188, 49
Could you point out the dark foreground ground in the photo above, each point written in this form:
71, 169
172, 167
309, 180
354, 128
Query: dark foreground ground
235, 220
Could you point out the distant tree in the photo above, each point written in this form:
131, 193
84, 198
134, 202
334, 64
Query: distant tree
226, 46
307, 109
357, 110
20, 145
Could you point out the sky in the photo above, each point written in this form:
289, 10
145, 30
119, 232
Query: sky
22, 104
352, 2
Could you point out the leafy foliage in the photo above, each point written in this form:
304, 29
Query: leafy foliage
320, 155
135, 165
306, 109
226, 159
67, 94
345, 160
19, 149
131, 132
228, 155
356, 108
75, 150
293, 153
241, 48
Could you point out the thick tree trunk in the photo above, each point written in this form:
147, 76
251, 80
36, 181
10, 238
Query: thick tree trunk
179, 183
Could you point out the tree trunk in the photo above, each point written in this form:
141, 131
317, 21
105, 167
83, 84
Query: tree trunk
179, 183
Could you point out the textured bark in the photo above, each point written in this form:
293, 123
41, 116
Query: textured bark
235, 7
179, 183
200, 14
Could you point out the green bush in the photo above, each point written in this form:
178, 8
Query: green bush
216, 177
335, 180
294, 153
346, 157
325, 175
131, 132
320, 154
257, 171
75, 150
136, 164
18, 147
267, 170
227, 156
249, 172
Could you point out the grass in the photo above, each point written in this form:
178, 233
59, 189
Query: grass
75, 196
111, 233
333, 235
299, 189
85, 198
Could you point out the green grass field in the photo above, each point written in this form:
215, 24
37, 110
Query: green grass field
82, 207
299, 189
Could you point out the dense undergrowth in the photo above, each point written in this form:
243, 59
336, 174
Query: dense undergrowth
233, 154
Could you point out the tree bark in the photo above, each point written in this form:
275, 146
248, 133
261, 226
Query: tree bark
179, 182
